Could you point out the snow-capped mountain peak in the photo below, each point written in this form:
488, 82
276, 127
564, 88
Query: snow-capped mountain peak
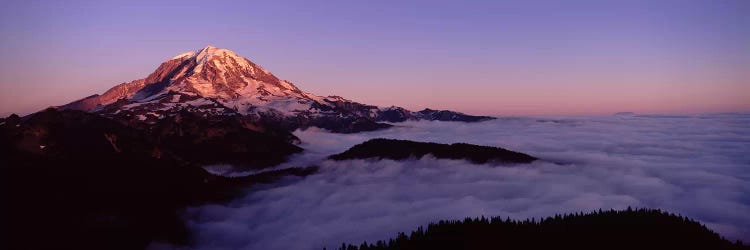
220, 74
183, 55
210, 72
215, 81
204, 53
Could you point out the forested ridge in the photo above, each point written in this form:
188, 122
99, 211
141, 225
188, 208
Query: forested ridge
612, 229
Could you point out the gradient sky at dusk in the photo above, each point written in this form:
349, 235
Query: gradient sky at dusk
482, 57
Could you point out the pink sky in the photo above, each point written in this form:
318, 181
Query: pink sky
483, 57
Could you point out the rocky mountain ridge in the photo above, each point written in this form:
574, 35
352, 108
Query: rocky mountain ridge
218, 82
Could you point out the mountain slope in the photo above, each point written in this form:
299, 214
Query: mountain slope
75, 180
626, 229
402, 149
218, 82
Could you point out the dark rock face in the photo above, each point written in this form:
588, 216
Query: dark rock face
394, 114
76, 180
447, 115
228, 140
338, 116
402, 149
11, 121
185, 137
120, 91
347, 125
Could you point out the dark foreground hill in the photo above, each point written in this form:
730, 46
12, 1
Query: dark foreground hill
628, 229
75, 180
403, 149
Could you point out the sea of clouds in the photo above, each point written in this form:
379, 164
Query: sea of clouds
698, 166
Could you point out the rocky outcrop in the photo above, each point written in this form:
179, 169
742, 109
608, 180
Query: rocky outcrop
403, 149
447, 115
187, 138
121, 91
398, 114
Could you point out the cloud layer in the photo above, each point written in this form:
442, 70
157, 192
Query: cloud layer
697, 166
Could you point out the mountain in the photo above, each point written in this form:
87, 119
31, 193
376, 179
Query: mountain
95, 183
402, 149
218, 82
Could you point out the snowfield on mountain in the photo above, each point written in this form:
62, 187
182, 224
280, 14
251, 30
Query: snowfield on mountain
218, 82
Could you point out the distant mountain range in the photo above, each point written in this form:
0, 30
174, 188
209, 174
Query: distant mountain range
219, 83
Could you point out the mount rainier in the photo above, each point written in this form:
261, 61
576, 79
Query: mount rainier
215, 83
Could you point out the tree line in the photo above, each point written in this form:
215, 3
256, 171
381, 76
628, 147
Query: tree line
611, 229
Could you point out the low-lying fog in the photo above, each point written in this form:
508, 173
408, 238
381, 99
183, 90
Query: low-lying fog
698, 166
